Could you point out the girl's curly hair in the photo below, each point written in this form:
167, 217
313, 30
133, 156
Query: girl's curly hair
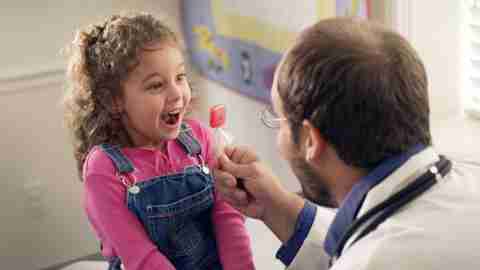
100, 59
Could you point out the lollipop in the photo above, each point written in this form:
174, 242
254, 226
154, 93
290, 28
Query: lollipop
217, 122
222, 137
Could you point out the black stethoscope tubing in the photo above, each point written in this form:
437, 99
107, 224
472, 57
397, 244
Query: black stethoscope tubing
387, 208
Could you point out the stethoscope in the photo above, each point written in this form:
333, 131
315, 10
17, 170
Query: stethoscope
390, 206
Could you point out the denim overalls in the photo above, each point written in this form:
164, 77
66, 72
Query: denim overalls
175, 209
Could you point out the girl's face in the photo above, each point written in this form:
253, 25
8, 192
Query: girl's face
155, 96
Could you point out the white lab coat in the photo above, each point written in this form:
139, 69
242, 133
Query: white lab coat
438, 230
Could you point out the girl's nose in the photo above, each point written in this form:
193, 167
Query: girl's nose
176, 92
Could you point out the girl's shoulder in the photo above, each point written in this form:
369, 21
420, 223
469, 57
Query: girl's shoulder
100, 177
98, 162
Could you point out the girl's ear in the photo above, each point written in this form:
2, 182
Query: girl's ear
117, 105
315, 144
113, 104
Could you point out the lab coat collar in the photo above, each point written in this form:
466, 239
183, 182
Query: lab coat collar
353, 201
400, 178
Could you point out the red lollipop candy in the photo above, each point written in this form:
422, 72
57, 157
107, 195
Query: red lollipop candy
217, 116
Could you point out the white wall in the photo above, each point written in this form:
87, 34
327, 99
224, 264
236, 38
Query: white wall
42, 222
435, 33
434, 28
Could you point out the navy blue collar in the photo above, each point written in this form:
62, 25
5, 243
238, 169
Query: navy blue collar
353, 201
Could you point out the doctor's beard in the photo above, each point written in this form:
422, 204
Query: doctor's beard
313, 187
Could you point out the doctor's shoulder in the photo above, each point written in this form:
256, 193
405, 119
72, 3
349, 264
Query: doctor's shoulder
388, 251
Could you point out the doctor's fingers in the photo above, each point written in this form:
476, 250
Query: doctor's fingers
224, 180
226, 185
237, 198
242, 154
238, 170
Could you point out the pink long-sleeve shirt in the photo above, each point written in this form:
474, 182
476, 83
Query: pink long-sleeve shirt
122, 234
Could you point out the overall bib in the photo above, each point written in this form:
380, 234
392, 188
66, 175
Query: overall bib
174, 209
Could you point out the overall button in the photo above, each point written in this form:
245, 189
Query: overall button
134, 189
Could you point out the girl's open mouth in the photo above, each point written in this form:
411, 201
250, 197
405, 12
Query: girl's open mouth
171, 118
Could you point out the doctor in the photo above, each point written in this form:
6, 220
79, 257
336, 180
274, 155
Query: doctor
350, 103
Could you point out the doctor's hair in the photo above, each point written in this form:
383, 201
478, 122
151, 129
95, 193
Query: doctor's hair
100, 59
362, 86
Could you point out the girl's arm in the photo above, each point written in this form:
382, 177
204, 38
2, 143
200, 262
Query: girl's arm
116, 226
232, 238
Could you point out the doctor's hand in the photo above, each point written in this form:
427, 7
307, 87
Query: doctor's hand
244, 181
260, 194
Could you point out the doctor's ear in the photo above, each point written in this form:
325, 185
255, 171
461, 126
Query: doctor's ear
315, 144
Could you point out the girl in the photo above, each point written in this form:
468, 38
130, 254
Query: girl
148, 189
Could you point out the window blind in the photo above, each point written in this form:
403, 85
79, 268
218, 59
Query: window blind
472, 61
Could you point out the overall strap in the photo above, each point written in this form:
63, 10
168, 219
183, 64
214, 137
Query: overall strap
188, 141
121, 162
123, 166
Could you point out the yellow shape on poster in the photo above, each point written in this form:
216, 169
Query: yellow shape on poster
264, 34
326, 8
206, 42
353, 9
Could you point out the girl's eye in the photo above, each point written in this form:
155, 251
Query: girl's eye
155, 86
181, 77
